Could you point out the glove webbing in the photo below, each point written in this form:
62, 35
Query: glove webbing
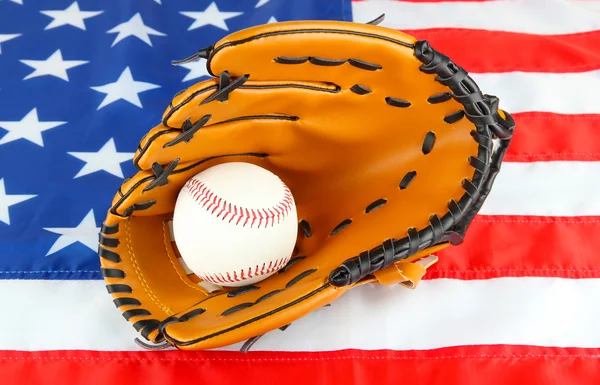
482, 111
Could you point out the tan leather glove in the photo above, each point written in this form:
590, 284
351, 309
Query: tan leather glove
389, 149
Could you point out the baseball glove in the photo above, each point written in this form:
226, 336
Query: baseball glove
389, 149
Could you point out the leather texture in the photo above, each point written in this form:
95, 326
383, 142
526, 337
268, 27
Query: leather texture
344, 114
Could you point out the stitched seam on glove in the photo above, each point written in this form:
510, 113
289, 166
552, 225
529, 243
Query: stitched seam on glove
141, 276
171, 259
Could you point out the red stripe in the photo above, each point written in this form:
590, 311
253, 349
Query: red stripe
496, 51
490, 365
506, 246
548, 137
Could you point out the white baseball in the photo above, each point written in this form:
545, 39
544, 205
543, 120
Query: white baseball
235, 224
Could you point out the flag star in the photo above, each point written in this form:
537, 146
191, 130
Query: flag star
29, 128
134, 27
86, 233
17, 1
9, 200
53, 66
197, 69
261, 3
272, 20
211, 16
7, 37
106, 159
125, 88
158, 1
70, 16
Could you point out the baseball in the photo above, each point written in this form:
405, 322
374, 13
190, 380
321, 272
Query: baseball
235, 224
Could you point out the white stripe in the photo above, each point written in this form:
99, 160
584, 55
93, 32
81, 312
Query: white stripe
590, 5
565, 188
564, 93
551, 17
49, 315
537, 311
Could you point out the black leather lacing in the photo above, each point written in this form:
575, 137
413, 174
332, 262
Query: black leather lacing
321, 61
188, 129
395, 102
454, 117
107, 241
119, 288
108, 254
439, 98
126, 301
343, 224
112, 273
237, 307
482, 111
291, 263
428, 142
377, 20
138, 206
201, 54
375, 205
305, 226
360, 89
407, 179
161, 175
163, 345
241, 290
225, 88
109, 229
268, 295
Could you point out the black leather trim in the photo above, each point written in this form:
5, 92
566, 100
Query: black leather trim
118, 288
375, 205
428, 142
126, 301
290, 263
112, 273
241, 290
341, 226
110, 229
300, 276
407, 179
108, 255
191, 314
305, 226
237, 308
106, 241
395, 102
128, 314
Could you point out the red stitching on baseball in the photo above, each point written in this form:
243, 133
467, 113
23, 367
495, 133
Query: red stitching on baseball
237, 276
213, 203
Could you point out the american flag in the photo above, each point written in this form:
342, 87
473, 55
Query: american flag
519, 303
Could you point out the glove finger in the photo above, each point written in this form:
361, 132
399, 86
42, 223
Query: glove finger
337, 52
254, 118
284, 119
365, 100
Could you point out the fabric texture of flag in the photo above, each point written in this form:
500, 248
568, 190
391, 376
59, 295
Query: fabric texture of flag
82, 81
